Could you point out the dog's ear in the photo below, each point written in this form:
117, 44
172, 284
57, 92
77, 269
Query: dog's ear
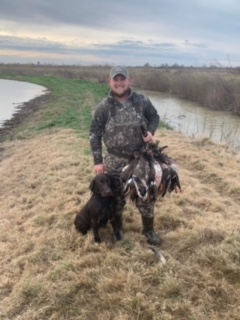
92, 185
113, 182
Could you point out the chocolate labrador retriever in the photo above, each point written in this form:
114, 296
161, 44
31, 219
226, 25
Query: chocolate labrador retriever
100, 209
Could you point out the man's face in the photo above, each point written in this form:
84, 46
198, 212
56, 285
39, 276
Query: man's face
119, 85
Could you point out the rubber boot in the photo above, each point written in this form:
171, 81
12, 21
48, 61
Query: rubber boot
149, 232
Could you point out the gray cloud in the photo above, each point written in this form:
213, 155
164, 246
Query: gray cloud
142, 52
182, 16
158, 31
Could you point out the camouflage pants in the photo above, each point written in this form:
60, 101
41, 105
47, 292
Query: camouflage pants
114, 166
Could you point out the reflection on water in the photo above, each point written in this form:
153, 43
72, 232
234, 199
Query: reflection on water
196, 121
14, 93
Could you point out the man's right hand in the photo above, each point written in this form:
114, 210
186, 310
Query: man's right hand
100, 168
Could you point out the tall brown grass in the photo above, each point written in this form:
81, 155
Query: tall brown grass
216, 88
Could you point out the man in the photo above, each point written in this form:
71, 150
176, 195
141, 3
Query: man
117, 121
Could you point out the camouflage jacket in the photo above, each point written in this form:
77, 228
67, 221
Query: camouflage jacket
119, 125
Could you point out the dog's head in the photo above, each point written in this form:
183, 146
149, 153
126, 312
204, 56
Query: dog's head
102, 185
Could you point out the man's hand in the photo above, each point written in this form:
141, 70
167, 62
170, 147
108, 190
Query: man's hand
148, 138
100, 168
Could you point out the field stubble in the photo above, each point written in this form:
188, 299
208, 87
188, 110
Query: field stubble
49, 271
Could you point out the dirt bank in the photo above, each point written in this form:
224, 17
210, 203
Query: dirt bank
22, 113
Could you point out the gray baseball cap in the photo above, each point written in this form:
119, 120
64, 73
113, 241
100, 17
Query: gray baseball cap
119, 70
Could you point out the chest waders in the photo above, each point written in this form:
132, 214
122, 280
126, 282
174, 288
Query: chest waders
123, 136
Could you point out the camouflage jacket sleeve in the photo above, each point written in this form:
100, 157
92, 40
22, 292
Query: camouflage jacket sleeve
96, 131
151, 115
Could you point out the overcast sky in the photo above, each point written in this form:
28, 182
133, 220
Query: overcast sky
128, 32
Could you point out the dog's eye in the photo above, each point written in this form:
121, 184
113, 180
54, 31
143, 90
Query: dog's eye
104, 181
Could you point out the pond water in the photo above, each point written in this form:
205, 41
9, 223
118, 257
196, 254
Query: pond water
196, 121
14, 93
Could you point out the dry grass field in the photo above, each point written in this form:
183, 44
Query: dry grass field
51, 272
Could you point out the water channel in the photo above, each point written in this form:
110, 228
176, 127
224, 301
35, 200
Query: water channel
184, 116
196, 121
14, 93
